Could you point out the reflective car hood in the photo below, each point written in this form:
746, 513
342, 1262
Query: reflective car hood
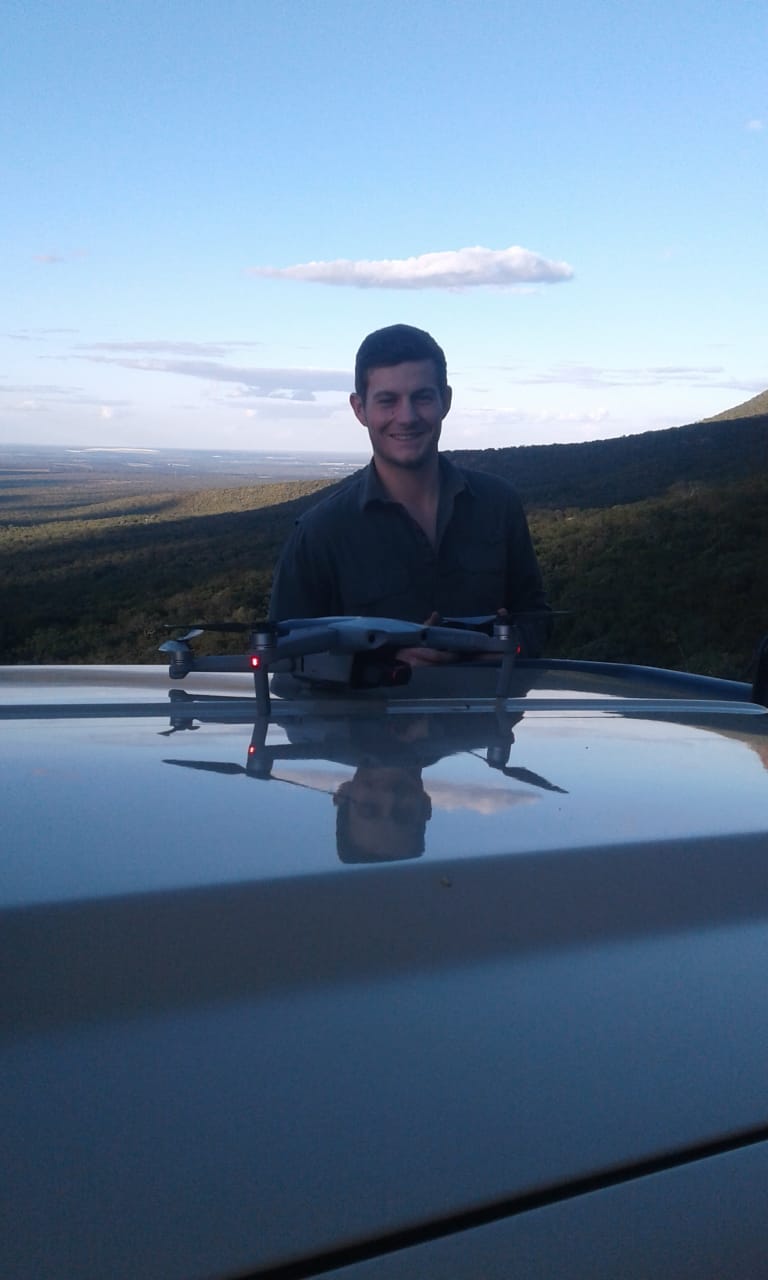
116, 781
239, 1033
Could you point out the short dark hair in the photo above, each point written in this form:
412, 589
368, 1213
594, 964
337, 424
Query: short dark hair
394, 345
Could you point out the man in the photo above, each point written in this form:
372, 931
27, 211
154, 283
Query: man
412, 536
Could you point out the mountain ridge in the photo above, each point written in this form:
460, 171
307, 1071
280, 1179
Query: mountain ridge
757, 405
600, 473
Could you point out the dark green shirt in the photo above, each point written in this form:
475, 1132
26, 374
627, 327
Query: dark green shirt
360, 553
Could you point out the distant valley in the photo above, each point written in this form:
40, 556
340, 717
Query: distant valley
656, 543
174, 467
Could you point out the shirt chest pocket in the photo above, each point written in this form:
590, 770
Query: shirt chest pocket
475, 581
378, 586
483, 555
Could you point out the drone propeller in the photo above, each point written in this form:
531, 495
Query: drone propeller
487, 621
197, 628
209, 766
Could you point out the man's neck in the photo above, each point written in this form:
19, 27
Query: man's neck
417, 489
410, 485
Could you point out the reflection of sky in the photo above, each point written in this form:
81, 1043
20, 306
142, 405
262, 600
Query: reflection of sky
92, 808
444, 795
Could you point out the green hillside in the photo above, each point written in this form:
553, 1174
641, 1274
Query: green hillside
756, 407
604, 473
656, 543
91, 576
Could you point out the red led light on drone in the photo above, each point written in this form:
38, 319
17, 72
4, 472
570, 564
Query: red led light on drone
255, 661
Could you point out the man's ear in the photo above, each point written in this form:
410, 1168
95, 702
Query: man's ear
447, 400
358, 408
341, 794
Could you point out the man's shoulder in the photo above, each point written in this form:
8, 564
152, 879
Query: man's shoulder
343, 501
486, 485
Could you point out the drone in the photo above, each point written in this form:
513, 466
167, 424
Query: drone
349, 653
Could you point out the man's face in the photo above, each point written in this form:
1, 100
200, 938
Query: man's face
403, 411
388, 810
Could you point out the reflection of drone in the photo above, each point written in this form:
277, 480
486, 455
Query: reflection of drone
313, 734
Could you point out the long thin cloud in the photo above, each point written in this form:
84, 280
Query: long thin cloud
454, 269
163, 346
260, 382
652, 376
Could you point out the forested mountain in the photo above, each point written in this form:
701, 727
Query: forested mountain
606, 473
655, 543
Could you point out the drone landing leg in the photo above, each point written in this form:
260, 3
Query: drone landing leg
261, 687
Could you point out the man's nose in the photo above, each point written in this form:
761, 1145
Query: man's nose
406, 410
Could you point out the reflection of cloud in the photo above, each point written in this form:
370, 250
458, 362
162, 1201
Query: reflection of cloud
296, 383
450, 796
453, 269
316, 779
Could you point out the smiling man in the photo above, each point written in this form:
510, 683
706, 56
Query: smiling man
412, 536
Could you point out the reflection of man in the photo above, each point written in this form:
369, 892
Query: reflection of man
412, 536
381, 814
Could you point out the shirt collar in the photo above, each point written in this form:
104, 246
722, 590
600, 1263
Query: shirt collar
452, 481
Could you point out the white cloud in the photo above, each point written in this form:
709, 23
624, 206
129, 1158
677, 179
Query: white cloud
163, 346
31, 406
652, 376
40, 388
454, 269
276, 410
53, 259
501, 417
755, 126
299, 384
39, 397
743, 384
27, 335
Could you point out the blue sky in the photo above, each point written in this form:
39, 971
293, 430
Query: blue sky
209, 204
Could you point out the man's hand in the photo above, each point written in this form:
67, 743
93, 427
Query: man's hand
424, 657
